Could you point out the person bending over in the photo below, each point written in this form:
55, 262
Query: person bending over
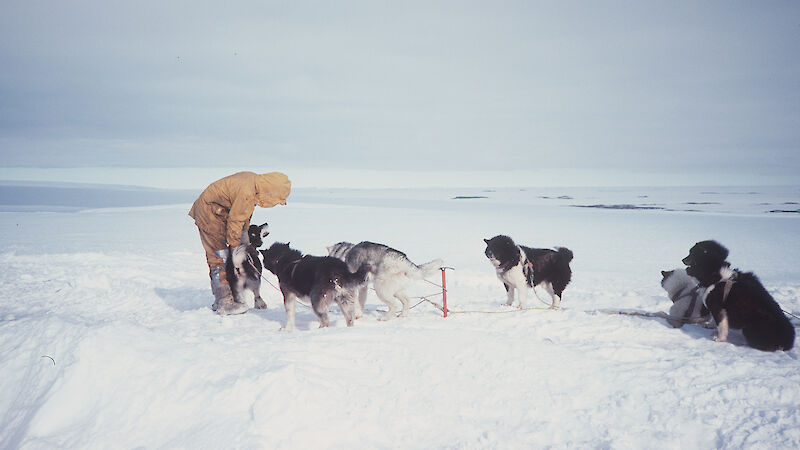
222, 214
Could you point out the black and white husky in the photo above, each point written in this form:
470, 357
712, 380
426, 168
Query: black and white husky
687, 298
738, 300
319, 279
243, 266
391, 272
520, 267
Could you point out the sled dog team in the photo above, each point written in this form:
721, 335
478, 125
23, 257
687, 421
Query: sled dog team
707, 292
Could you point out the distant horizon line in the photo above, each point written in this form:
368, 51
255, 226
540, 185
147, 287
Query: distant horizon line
83, 185
193, 178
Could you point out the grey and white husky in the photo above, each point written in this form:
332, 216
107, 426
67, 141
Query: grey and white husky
687, 299
390, 271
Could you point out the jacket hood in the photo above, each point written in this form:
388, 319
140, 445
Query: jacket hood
272, 189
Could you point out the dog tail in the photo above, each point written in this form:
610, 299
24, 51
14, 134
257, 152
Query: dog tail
356, 279
426, 269
339, 250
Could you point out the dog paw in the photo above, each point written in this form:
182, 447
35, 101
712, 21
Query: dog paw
718, 339
259, 304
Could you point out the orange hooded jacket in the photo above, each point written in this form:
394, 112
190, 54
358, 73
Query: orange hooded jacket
226, 205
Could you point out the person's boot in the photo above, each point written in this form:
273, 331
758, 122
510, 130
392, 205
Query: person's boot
224, 304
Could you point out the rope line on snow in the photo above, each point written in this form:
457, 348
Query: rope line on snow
426, 298
423, 298
658, 314
276, 287
452, 311
787, 312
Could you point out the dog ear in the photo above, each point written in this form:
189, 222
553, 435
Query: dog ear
666, 273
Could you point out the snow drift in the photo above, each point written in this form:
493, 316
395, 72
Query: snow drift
108, 341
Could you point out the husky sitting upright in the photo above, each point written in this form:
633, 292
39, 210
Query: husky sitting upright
520, 267
737, 300
391, 272
687, 298
320, 279
243, 266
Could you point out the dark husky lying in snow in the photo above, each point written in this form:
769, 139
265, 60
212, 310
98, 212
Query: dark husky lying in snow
520, 267
243, 266
738, 300
320, 279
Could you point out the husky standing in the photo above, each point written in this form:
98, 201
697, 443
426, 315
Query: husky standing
243, 266
391, 272
321, 279
520, 268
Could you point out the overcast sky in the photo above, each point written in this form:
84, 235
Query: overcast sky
670, 87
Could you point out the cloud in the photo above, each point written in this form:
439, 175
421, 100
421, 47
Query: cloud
464, 85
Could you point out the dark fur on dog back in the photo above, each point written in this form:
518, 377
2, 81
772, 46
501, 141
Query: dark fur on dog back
321, 279
752, 309
306, 272
312, 270
550, 265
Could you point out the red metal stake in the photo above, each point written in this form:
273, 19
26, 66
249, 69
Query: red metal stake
444, 292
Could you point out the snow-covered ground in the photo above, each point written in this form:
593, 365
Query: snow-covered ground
107, 339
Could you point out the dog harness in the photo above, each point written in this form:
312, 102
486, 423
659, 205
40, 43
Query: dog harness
527, 267
507, 266
729, 281
728, 285
294, 267
694, 293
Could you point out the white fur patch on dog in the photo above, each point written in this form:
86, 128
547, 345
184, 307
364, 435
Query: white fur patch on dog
726, 273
